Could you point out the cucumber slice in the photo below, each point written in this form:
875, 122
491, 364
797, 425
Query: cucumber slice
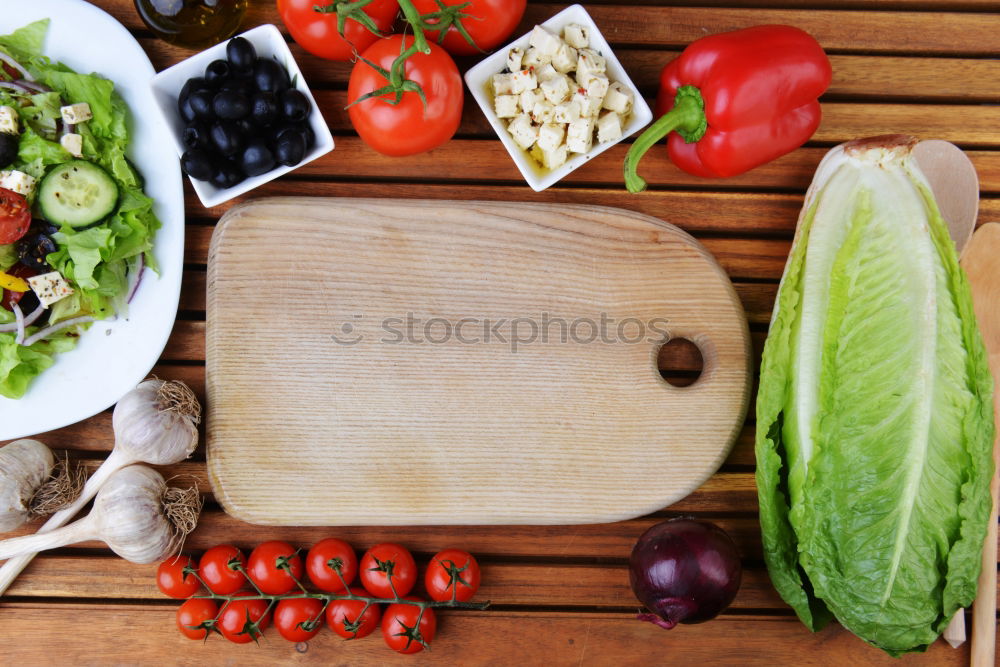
77, 193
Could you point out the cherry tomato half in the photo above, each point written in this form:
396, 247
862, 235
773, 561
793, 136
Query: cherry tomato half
317, 33
384, 563
218, 569
489, 24
324, 557
275, 566
298, 619
193, 614
172, 581
409, 127
243, 621
452, 574
406, 630
345, 618
15, 216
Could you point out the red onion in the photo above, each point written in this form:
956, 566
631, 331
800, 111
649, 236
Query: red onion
28, 320
18, 322
16, 86
48, 331
16, 65
139, 267
684, 571
34, 86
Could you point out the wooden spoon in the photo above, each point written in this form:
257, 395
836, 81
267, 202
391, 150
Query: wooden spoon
955, 185
982, 264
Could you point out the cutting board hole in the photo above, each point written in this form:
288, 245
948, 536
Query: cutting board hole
680, 362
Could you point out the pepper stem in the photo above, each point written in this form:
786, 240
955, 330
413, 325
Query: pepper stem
687, 117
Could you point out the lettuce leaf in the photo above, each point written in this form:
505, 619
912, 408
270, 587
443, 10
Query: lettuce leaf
875, 420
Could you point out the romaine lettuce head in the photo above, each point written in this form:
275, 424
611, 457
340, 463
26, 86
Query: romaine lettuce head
874, 414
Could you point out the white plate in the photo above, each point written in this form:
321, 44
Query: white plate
112, 356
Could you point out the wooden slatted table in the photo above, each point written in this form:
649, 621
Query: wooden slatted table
560, 594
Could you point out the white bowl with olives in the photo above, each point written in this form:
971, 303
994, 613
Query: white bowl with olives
240, 114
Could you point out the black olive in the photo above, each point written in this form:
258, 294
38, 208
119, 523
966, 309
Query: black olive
33, 249
201, 103
263, 108
196, 135
227, 138
40, 226
307, 134
269, 76
302, 129
197, 163
191, 85
290, 148
226, 174
8, 148
230, 105
217, 72
242, 86
257, 158
294, 105
29, 303
241, 54
186, 111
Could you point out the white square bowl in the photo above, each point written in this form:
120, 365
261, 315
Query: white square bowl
268, 42
478, 80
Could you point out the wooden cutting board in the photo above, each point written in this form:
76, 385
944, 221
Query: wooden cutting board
382, 362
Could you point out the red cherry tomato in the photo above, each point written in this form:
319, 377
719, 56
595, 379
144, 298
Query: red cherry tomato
217, 569
384, 563
243, 621
298, 619
317, 33
15, 216
489, 24
452, 574
345, 617
9, 298
192, 615
322, 560
172, 581
406, 630
275, 566
409, 127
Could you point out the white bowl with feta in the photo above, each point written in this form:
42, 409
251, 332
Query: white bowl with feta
557, 97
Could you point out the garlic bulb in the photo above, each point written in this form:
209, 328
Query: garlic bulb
24, 466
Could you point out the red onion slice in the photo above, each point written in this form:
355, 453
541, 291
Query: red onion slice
28, 321
48, 331
18, 322
140, 267
16, 65
16, 86
34, 86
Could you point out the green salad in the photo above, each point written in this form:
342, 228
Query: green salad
78, 257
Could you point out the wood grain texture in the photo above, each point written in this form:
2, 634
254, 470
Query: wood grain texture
442, 426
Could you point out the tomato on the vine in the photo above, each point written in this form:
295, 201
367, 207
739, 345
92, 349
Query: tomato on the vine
243, 621
298, 619
15, 216
317, 33
217, 569
192, 615
388, 570
452, 574
407, 630
489, 24
172, 581
324, 560
345, 617
275, 566
411, 126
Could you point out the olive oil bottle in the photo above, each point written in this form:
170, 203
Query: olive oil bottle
195, 24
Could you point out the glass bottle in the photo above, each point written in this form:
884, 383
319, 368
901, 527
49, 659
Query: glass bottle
195, 24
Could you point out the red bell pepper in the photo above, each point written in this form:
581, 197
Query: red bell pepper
739, 98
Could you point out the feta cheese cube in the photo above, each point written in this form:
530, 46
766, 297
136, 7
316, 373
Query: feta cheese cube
529, 99
542, 113
546, 72
565, 59
503, 84
523, 80
543, 40
597, 87
618, 99
73, 143
566, 112
506, 106
50, 287
534, 58
589, 106
580, 135
609, 127
589, 62
577, 36
8, 120
76, 113
18, 181
550, 136
523, 131
514, 58
556, 89
556, 157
